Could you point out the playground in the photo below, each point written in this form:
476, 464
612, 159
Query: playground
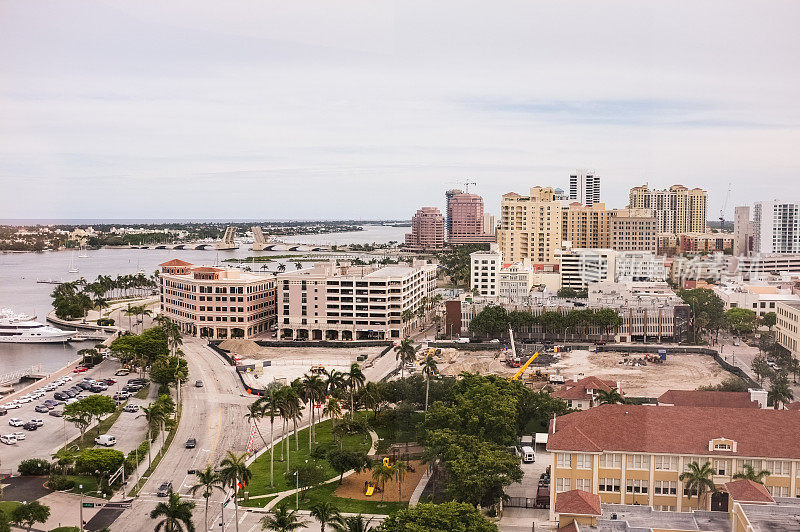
357, 485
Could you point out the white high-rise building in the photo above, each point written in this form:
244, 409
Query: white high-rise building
582, 267
484, 271
776, 227
584, 187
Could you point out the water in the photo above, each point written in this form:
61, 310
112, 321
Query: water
20, 291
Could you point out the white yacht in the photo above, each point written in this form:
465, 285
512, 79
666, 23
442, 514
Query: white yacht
22, 329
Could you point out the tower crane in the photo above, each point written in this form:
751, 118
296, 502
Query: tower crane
466, 186
722, 210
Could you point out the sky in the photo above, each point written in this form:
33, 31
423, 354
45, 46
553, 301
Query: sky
369, 110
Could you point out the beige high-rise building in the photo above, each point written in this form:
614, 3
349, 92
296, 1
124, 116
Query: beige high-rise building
634, 230
677, 209
530, 226
742, 231
586, 226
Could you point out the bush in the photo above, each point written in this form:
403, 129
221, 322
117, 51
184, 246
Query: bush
34, 467
60, 483
105, 322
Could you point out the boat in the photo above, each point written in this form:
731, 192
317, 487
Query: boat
72, 267
83, 254
23, 329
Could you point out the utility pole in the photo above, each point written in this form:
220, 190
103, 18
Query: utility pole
80, 487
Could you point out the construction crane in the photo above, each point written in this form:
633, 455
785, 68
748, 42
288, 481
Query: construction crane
466, 186
722, 210
522, 369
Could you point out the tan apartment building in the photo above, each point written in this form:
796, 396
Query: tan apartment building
530, 226
634, 230
634, 454
216, 303
586, 226
787, 328
346, 302
427, 230
677, 209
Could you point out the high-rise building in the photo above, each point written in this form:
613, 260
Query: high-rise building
677, 209
776, 227
634, 230
586, 226
742, 231
427, 230
489, 224
484, 271
584, 187
448, 216
530, 226
465, 221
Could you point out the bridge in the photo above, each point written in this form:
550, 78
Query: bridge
259, 240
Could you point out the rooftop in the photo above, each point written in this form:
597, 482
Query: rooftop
651, 429
578, 502
780, 517
745, 490
707, 399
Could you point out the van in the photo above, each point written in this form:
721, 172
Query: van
463, 340
106, 440
8, 439
528, 454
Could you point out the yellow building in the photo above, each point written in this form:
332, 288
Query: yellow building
586, 226
635, 454
530, 226
677, 209
788, 326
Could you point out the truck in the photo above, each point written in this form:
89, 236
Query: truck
106, 440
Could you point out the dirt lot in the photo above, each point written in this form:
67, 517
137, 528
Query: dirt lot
453, 362
679, 372
353, 486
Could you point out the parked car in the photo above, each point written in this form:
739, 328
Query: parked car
122, 395
164, 489
80, 369
84, 385
42, 409
30, 425
3, 411
71, 400
15, 422
109, 382
61, 396
191, 443
8, 439
122, 372
198, 384
19, 435
12, 405
25, 399
56, 413
98, 388
130, 408
39, 422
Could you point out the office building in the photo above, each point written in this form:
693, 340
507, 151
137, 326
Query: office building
677, 209
346, 302
582, 267
776, 227
515, 281
427, 230
586, 226
465, 219
742, 231
217, 303
530, 226
484, 270
787, 328
760, 298
639, 266
489, 224
584, 187
634, 230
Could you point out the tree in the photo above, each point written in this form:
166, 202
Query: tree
28, 514
769, 319
82, 412
779, 391
282, 520
429, 370
176, 513
552, 322
607, 319
740, 321
381, 473
324, 512
98, 461
491, 322
235, 474
698, 480
269, 407
706, 310
354, 380
310, 474
761, 368
343, 460
399, 470
154, 415
353, 523
168, 370
611, 397
446, 517
567, 292
517, 319
5, 526
405, 353
207, 481
750, 473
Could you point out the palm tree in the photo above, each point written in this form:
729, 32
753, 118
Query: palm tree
282, 520
332, 409
354, 523
698, 479
610, 397
750, 474
154, 415
312, 390
269, 407
354, 380
298, 265
405, 353
779, 391
177, 514
380, 474
400, 468
334, 380
281, 267
406, 316
429, 370
234, 473
207, 481
324, 512
253, 415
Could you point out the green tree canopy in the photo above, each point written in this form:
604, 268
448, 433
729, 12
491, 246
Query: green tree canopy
707, 310
741, 320
491, 322
447, 517
28, 514
89, 461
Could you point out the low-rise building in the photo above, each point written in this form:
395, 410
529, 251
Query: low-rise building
217, 303
760, 298
346, 302
582, 393
515, 282
639, 266
787, 327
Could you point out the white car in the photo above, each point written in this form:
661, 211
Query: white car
25, 399
39, 422
19, 435
71, 400
15, 422
12, 404
8, 439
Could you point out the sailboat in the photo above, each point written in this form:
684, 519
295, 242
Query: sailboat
72, 267
83, 254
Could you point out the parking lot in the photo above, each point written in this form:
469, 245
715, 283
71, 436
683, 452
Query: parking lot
54, 431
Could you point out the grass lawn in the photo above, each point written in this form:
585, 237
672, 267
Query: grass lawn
407, 432
143, 393
256, 503
89, 484
325, 493
8, 506
259, 485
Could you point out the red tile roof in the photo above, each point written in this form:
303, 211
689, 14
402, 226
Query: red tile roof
204, 269
572, 527
578, 390
745, 490
176, 262
578, 502
704, 398
793, 406
678, 430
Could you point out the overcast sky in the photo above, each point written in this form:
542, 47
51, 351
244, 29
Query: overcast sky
320, 110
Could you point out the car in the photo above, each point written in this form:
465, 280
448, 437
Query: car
12, 405
61, 396
106, 440
8, 439
71, 400
80, 369
42, 409
109, 382
66, 378
191, 443
25, 399
122, 395
3, 411
97, 389
130, 408
122, 372
39, 422
20, 435
56, 413
85, 385
15, 422
30, 425
137, 380
70, 394
52, 402
164, 489
198, 384
50, 387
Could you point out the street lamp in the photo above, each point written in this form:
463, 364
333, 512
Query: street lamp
80, 487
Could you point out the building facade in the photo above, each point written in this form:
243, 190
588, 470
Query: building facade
484, 271
677, 209
787, 328
427, 230
514, 282
634, 230
586, 226
776, 227
217, 303
759, 298
742, 231
639, 266
582, 267
584, 187
345, 302
530, 226
465, 218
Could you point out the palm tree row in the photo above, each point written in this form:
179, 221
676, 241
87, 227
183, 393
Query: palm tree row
284, 520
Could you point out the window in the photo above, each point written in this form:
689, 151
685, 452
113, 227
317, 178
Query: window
720, 467
636, 486
638, 461
584, 484
778, 468
665, 487
664, 508
690, 459
608, 485
563, 461
665, 463
778, 491
720, 446
563, 484
611, 461
584, 461
755, 464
